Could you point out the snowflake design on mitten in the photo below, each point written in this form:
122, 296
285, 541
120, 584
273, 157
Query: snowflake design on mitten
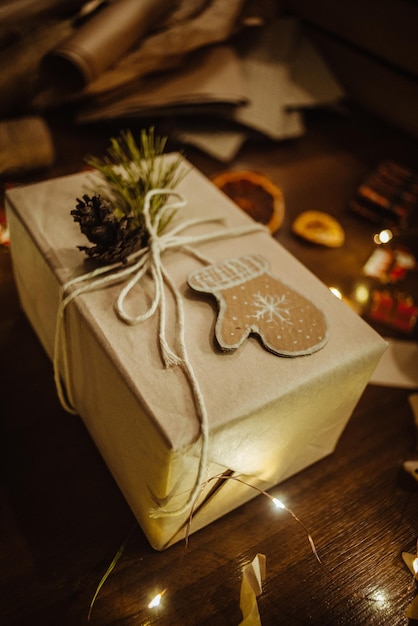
271, 306
253, 301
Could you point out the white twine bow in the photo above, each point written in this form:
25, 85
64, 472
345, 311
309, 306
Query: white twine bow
148, 260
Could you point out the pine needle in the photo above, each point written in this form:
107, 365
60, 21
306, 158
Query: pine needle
130, 170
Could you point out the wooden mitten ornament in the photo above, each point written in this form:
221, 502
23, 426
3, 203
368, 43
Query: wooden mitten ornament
251, 300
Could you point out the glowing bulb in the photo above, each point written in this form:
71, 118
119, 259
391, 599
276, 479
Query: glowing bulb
156, 600
278, 503
361, 294
415, 565
383, 237
337, 293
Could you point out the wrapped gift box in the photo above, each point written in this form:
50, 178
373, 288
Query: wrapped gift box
269, 416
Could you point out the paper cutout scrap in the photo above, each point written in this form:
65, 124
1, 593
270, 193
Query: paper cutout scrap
410, 560
412, 610
251, 300
411, 465
251, 587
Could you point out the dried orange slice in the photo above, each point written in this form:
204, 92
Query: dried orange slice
318, 227
255, 194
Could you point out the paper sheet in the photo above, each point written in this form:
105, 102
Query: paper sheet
264, 58
191, 26
283, 72
265, 80
398, 366
210, 76
310, 81
223, 144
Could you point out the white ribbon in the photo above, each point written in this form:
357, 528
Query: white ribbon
148, 260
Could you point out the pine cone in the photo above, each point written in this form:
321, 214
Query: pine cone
114, 238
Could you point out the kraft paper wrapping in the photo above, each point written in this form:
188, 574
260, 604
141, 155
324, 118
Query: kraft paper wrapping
99, 43
269, 416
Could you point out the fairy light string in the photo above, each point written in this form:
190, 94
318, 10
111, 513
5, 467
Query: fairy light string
149, 261
279, 504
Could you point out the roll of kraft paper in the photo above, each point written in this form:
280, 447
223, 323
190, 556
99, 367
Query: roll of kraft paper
97, 44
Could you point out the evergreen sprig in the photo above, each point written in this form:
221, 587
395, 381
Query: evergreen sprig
131, 170
112, 218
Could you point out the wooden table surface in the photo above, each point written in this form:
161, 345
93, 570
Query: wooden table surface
63, 519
